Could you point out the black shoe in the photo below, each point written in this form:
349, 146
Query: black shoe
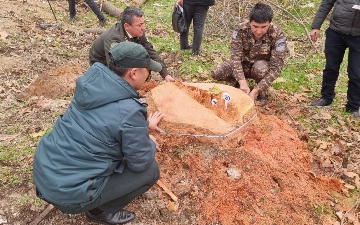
237, 85
121, 217
102, 22
262, 98
356, 115
321, 102
186, 48
196, 53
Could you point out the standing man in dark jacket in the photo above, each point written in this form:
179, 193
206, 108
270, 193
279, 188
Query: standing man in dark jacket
258, 50
99, 155
131, 27
196, 11
343, 33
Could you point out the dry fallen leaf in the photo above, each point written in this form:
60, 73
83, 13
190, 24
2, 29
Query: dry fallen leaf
3, 35
355, 176
327, 164
349, 186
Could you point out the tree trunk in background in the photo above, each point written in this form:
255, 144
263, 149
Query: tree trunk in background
138, 3
111, 9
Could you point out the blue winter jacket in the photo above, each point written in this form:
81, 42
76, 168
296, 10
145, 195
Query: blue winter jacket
104, 123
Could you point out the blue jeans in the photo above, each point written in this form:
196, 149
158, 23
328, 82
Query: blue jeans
335, 46
197, 14
92, 6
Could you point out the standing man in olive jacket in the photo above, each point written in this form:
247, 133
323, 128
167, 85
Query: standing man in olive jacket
131, 27
99, 156
196, 11
343, 33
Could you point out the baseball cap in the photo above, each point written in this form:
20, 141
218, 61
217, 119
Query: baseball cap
132, 55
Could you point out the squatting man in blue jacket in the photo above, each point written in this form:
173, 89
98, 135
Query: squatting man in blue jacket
99, 155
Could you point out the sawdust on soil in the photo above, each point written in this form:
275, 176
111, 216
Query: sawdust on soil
275, 183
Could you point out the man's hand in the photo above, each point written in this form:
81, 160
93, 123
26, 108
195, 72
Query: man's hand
156, 144
178, 2
314, 34
244, 86
169, 78
254, 93
154, 119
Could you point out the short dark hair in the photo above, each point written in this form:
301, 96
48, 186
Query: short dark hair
261, 13
129, 13
119, 70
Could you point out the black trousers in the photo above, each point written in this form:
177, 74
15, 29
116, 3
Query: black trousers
335, 46
92, 6
119, 191
196, 14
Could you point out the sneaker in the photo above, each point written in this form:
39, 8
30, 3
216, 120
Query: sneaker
321, 102
102, 22
121, 217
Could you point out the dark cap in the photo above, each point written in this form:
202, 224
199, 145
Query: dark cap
131, 55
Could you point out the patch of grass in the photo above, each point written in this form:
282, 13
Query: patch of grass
27, 199
299, 74
321, 209
7, 154
179, 152
14, 153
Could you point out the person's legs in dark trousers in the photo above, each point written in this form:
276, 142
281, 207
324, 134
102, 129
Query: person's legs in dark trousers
95, 9
199, 18
335, 47
184, 36
119, 191
122, 188
353, 92
72, 9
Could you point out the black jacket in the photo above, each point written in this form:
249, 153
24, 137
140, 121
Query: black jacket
199, 2
345, 18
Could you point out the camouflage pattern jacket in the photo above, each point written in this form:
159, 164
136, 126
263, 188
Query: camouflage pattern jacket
245, 51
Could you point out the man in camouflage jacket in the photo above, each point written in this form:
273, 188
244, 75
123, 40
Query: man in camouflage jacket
258, 49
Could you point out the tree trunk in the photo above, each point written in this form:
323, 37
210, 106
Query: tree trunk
138, 3
93, 30
111, 9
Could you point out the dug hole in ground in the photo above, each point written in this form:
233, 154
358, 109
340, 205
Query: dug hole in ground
225, 164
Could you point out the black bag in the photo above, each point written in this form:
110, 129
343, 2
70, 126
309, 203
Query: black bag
178, 20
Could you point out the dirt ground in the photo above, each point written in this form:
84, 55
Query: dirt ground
262, 174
